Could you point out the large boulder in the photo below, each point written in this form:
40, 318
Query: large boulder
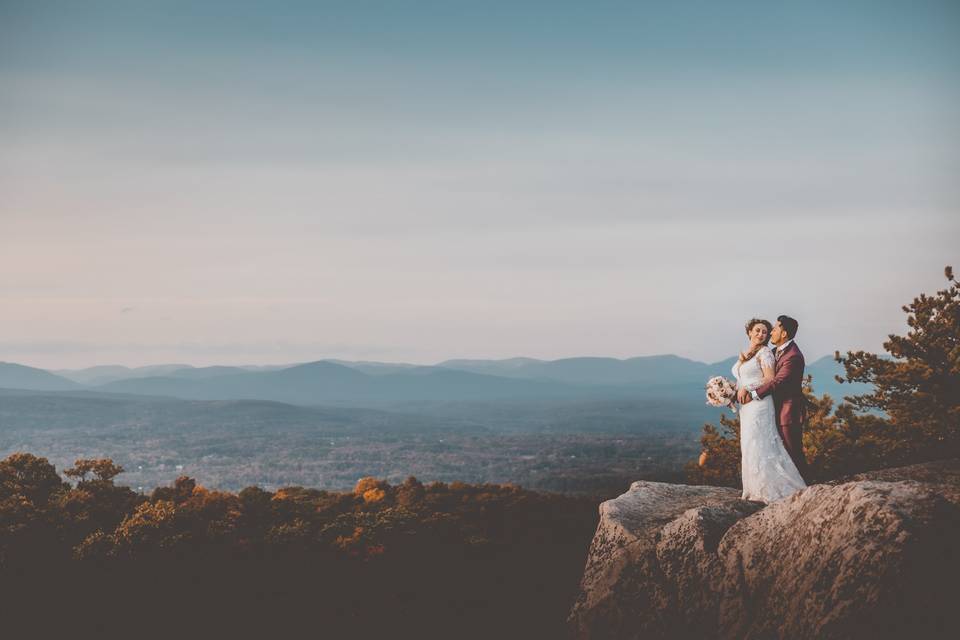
623, 574
863, 558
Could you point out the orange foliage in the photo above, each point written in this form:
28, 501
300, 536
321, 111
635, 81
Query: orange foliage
365, 484
284, 493
374, 495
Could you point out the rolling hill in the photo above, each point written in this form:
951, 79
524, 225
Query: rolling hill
18, 376
380, 384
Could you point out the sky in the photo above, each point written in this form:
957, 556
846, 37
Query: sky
272, 182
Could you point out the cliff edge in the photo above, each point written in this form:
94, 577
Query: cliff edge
870, 556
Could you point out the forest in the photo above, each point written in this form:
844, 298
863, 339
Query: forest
439, 559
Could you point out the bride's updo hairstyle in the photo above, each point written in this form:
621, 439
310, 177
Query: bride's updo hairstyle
749, 327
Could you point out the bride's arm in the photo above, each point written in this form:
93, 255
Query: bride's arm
767, 373
767, 366
780, 376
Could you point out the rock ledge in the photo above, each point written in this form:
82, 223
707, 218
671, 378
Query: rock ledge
873, 555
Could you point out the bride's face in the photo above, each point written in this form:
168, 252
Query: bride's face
758, 333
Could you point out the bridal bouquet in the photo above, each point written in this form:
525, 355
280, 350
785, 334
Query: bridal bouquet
721, 392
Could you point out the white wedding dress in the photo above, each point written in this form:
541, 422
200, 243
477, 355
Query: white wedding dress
768, 472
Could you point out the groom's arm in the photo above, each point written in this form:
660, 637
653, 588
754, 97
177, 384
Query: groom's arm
786, 369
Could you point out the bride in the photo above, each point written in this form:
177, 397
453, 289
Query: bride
768, 471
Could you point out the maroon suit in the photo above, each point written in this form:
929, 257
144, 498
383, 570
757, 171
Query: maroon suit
787, 390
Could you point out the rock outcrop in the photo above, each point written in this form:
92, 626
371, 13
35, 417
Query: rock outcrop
874, 555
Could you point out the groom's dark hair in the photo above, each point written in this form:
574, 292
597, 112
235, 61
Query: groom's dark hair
789, 325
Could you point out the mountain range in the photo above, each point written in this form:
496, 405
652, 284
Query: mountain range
378, 384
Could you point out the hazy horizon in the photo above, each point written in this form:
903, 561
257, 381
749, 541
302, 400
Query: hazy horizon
244, 363
252, 183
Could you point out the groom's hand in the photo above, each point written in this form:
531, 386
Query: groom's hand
743, 396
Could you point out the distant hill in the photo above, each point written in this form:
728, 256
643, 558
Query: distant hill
372, 384
326, 382
95, 375
377, 368
104, 374
202, 373
108, 373
102, 413
644, 370
17, 376
648, 371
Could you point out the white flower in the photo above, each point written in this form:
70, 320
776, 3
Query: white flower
720, 391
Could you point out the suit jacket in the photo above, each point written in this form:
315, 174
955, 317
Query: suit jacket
787, 387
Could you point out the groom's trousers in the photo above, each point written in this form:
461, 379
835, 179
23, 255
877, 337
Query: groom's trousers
792, 435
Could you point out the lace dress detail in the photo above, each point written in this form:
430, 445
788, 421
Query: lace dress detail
767, 470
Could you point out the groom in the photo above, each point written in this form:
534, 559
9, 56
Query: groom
787, 390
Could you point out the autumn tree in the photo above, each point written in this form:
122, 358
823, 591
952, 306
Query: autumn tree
28, 485
719, 462
103, 469
30, 476
95, 504
838, 442
410, 493
917, 385
150, 528
181, 491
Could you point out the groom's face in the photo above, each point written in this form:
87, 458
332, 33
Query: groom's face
778, 335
